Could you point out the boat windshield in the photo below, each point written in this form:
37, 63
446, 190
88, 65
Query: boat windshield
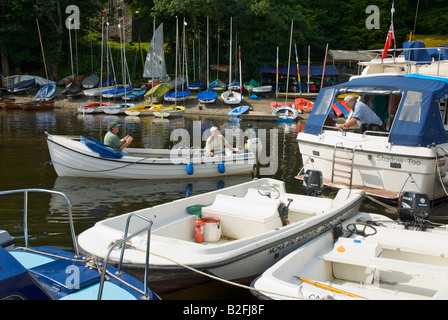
411, 109
324, 104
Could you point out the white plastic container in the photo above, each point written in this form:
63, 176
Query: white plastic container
212, 229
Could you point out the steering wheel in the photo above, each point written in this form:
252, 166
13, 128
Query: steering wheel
353, 228
268, 191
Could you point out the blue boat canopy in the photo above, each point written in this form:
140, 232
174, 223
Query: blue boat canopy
417, 121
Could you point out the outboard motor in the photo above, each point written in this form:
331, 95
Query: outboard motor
313, 182
413, 207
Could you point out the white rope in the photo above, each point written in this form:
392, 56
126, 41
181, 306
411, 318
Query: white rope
227, 281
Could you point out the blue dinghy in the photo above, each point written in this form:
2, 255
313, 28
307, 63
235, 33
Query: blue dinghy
235, 112
207, 96
22, 86
136, 94
47, 92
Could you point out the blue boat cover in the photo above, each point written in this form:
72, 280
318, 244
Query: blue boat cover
207, 95
103, 150
22, 85
178, 94
109, 82
417, 121
46, 91
418, 53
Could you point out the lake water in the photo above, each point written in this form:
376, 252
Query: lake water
25, 163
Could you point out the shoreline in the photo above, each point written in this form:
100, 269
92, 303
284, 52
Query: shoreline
259, 108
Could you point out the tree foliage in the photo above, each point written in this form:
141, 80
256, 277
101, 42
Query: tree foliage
259, 25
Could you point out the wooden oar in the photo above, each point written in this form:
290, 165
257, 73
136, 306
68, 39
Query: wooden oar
323, 286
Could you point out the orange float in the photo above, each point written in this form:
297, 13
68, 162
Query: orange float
303, 104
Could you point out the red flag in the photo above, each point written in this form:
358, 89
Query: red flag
388, 44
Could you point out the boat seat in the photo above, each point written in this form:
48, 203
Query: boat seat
300, 203
244, 217
414, 268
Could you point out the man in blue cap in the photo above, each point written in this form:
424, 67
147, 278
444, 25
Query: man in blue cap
112, 140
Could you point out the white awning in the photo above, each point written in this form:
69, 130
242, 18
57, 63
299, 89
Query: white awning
350, 56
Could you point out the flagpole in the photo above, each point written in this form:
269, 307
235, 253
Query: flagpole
392, 11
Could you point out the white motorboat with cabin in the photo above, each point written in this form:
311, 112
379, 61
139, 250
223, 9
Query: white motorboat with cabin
410, 156
414, 57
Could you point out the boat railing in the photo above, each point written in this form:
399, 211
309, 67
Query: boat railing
397, 52
122, 243
364, 134
374, 133
25, 212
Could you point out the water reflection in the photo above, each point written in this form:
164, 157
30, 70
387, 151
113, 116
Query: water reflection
25, 163
98, 199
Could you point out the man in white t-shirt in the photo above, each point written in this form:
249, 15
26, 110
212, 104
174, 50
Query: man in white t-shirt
216, 143
362, 115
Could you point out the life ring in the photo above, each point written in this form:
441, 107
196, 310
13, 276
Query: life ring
303, 104
286, 112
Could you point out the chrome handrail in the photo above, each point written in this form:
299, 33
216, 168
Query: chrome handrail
125, 239
25, 213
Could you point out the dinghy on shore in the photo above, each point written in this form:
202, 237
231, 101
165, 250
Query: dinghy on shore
96, 107
143, 110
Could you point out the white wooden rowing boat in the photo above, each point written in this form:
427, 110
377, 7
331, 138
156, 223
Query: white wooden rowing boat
87, 157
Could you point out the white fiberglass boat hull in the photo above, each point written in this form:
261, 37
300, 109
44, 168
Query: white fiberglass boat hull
72, 158
253, 237
395, 263
379, 167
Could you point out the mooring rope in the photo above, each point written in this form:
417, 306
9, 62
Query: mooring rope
227, 281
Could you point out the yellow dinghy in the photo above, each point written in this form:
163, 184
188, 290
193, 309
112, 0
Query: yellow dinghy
171, 112
143, 110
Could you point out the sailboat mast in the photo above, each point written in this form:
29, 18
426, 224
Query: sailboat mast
241, 74
101, 67
71, 50
208, 63
308, 82
42, 47
153, 57
289, 62
230, 55
276, 80
298, 69
177, 45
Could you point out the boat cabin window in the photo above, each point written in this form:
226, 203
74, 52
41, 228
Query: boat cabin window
411, 109
325, 103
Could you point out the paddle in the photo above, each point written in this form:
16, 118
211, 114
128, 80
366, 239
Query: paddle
323, 286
